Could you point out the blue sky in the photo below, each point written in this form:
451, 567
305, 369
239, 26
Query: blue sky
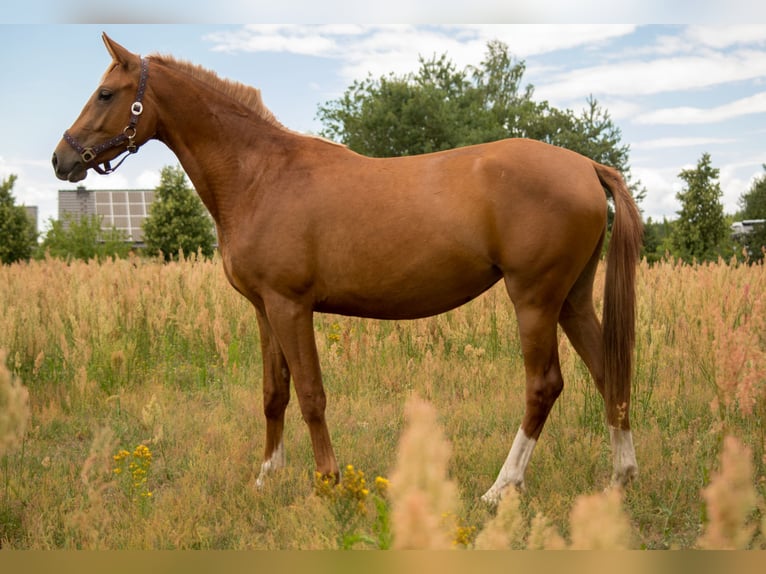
675, 90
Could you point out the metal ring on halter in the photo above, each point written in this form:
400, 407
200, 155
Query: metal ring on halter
88, 155
137, 108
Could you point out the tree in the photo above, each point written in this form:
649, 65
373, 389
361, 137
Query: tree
18, 237
753, 205
177, 220
84, 239
753, 201
394, 116
701, 225
656, 239
440, 107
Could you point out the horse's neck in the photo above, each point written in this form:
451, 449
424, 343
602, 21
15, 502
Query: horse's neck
206, 132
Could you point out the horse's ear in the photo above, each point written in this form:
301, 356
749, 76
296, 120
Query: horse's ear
118, 53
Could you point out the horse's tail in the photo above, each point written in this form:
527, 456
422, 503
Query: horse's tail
619, 316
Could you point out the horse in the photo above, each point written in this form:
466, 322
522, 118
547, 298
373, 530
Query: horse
305, 225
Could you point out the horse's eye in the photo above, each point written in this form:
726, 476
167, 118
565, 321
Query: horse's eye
104, 96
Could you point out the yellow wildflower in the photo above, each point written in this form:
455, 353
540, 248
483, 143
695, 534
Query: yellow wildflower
381, 485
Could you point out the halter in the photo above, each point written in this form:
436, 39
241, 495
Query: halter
89, 154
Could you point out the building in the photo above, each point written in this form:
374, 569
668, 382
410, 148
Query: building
125, 210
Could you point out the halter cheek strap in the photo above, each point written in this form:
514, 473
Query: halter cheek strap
127, 137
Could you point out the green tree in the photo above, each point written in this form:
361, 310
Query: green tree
18, 237
177, 220
83, 238
701, 226
657, 239
753, 205
413, 114
440, 107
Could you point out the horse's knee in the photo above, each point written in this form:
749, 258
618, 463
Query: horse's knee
313, 406
275, 402
543, 391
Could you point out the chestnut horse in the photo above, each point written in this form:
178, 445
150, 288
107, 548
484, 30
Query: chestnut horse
305, 225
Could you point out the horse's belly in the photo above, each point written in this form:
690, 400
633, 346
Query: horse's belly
410, 296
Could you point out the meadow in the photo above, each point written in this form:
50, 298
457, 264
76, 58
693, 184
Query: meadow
130, 418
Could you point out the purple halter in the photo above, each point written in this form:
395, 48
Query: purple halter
127, 136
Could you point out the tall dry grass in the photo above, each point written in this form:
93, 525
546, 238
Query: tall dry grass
135, 353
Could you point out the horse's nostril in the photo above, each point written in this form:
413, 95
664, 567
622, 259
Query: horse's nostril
55, 161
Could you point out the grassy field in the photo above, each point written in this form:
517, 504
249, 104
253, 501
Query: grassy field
143, 428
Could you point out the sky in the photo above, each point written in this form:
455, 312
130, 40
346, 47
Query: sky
674, 90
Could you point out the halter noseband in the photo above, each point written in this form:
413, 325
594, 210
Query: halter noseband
89, 154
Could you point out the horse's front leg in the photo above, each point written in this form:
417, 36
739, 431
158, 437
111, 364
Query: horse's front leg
276, 395
292, 325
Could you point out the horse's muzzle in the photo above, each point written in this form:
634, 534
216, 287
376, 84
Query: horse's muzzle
68, 170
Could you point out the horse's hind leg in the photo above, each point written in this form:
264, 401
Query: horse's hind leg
581, 325
276, 395
538, 330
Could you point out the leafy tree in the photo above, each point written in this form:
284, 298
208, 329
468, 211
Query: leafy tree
753, 201
657, 241
701, 226
83, 238
18, 237
440, 107
753, 204
177, 220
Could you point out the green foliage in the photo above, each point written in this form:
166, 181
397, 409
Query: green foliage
701, 226
177, 220
349, 504
440, 107
755, 243
17, 232
657, 239
753, 201
753, 204
70, 238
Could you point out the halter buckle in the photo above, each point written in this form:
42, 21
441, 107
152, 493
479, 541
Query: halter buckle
88, 155
137, 108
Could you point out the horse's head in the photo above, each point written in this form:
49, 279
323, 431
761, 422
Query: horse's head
114, 121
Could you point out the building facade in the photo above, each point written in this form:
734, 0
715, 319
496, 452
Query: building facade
124, 210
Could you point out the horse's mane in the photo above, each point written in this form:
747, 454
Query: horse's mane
246, 95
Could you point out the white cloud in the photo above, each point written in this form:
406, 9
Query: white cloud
661, 75
755, 104
295, 39
662, 185
726, 36
395, 48
661, 188
148, 179
528, 40
666, 143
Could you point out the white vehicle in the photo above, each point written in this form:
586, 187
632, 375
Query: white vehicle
745, 227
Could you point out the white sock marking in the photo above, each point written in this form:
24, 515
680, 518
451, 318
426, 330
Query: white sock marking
623, 456
276, 461
514, 467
